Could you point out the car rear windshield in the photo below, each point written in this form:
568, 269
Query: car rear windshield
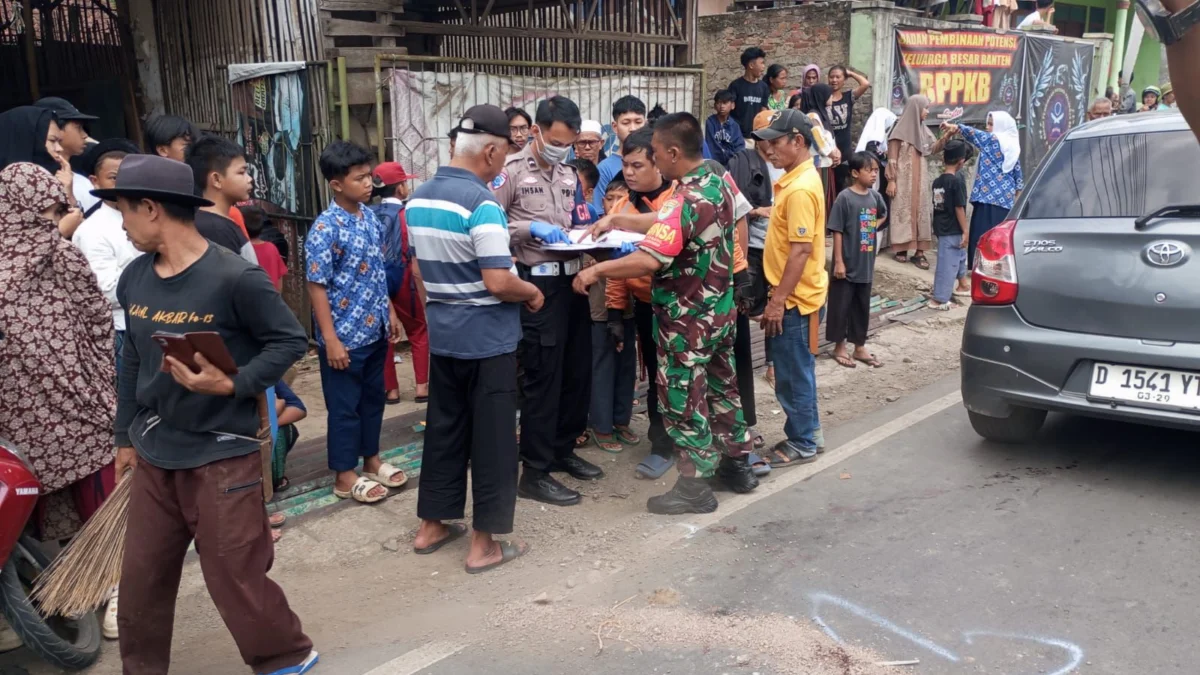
1117, 176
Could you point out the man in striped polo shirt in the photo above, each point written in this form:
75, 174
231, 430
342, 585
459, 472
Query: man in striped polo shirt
459, 235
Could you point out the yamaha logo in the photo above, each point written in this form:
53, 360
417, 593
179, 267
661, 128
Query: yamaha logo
1166, 253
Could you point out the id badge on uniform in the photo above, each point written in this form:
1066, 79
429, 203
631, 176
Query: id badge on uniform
546, 269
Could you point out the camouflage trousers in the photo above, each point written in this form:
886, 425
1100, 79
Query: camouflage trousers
698, 397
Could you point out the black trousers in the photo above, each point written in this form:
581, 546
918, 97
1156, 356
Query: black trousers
471, 420
643, 317
556, 356
849, 311
743, 357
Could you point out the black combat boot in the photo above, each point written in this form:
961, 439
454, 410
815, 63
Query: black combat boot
690, 495
736, 474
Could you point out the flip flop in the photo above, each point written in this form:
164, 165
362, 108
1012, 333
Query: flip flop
277, 519
794, 458
392, 401
758, 466
508, 553
301, 668
422, 399
612, 445
457, 530
386, 476
757, 439
361, 492
580, 440
626, 435
653, 467
844, 361
870, 361
920, 261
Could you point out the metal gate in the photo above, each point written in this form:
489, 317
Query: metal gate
428, 95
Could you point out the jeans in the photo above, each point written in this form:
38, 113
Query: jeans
613, 375
354, 399
796, 381
951, 266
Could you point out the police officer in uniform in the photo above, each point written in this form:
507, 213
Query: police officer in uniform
544, 199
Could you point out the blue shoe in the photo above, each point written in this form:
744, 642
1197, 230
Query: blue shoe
299, 668
654, 466
758, 465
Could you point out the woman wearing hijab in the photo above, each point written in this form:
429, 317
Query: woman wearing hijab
814, 100
809, 76
31, 134
909, 184
998, 178
57, 391
874, 139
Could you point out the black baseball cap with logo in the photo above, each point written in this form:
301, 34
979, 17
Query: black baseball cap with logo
485, 119
784, 122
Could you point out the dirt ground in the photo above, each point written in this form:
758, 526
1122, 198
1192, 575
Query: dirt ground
347, 566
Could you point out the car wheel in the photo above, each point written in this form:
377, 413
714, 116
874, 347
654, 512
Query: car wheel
1021, 425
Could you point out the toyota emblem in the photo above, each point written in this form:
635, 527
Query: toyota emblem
1166, 253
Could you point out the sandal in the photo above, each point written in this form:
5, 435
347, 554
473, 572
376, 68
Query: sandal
938, 306
901, 257
454, 531
361, 492
626, 435
277, 519
769, 378
508, 553
757, 438
392, 401
386, 476
580, 440
844, 361
758, 466
653, 467
607, 442
870, 361
784, 455
920, 261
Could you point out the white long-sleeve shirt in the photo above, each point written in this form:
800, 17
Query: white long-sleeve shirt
108, 250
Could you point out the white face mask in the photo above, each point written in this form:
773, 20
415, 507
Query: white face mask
552, 154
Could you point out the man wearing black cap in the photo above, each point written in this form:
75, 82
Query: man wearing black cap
192, 432
74, 141
543, 199
460, 238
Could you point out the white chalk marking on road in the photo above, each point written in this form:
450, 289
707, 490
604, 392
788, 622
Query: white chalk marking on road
1074, 650
786, 478
820, 598
419, 659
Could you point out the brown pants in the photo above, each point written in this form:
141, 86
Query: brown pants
221, 506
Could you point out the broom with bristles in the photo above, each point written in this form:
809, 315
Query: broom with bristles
83, 575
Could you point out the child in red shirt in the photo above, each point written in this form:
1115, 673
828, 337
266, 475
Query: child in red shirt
268, 255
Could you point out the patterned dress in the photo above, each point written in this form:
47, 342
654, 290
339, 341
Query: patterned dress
694, 313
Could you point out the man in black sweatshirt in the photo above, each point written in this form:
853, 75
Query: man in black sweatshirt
193, 436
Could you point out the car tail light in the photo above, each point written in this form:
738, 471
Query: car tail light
994, 277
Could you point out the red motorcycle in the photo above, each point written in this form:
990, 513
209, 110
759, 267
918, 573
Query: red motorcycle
70, 644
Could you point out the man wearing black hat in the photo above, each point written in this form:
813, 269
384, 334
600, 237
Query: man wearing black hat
459, 234
543, 199
191, 430
75, 141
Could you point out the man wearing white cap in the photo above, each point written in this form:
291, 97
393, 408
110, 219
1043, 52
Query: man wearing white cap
590, 142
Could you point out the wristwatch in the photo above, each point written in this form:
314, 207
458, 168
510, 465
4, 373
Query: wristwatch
1166, 27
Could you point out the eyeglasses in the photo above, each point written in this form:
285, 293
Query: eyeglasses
519, 130
588, 144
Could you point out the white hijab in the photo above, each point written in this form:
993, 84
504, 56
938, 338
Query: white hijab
1004, 128
878, 125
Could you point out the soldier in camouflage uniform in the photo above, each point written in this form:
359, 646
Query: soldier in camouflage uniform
690, 251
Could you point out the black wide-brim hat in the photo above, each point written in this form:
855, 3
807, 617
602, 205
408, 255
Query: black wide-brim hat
155, 178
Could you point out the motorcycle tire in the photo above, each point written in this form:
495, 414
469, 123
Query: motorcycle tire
70, 644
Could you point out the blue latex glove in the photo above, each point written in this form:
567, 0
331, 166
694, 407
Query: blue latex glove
547, 233
627, 247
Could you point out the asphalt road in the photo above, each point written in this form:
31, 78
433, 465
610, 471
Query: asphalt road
917, 540
1075, 553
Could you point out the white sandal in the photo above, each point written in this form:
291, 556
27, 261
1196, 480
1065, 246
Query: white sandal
361, 492
386, 476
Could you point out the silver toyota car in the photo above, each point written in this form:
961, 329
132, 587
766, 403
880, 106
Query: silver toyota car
1087, 300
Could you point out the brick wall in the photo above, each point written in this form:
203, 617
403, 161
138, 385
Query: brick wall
794, 36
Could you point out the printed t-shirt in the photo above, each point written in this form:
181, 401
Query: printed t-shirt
949, 193
857, 217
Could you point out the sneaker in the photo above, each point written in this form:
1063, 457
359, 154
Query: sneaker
300, 668
109, 627
690, 495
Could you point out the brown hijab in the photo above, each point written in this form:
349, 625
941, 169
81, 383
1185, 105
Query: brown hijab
57, 371
910, 129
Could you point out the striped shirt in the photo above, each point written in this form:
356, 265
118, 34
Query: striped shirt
456, 229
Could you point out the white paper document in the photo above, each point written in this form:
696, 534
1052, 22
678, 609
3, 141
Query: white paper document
582, 241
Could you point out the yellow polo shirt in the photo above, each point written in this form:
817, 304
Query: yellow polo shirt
797, 217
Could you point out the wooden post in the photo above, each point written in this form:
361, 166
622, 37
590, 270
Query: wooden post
30, 50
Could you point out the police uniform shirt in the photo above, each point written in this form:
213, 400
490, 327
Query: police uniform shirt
527, 193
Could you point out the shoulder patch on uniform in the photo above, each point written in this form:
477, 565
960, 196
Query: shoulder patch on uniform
669, 207
499, 181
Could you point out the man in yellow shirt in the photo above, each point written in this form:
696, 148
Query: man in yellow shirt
794, 264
